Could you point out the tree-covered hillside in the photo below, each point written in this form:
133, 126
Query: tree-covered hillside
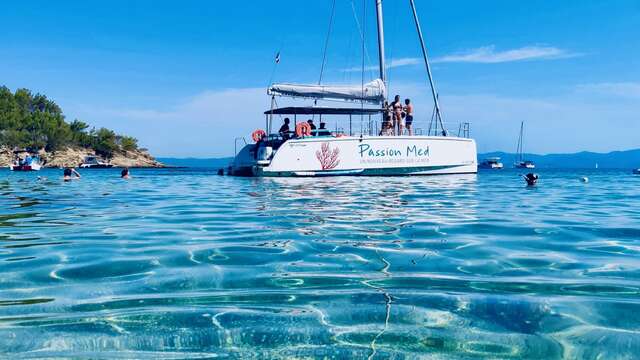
34, 122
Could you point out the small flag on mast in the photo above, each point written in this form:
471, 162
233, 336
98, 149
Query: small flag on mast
278, 58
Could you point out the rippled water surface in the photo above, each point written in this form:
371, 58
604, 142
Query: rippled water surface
184, 263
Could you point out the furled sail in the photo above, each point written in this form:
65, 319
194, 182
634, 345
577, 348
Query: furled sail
373, 92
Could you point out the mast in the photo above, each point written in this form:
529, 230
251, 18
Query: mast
383, 75
521, 143
434, 93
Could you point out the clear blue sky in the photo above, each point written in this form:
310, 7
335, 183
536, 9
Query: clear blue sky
186, 78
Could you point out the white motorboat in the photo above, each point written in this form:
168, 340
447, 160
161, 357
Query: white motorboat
369, 151
520, 162
636, 171
94, 162
492, 163
27, 163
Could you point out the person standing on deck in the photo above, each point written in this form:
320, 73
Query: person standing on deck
408, 109
387, 114
398, 126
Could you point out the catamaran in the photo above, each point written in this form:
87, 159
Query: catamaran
347, 151
520, 162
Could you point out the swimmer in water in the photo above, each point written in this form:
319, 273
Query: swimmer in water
70, 174
531, 179
124, 174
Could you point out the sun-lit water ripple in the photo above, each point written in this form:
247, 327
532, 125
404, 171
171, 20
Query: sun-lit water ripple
183, 263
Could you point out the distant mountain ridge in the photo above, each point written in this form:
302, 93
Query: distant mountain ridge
628, 159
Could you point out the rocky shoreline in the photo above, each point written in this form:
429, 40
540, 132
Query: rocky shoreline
73, 157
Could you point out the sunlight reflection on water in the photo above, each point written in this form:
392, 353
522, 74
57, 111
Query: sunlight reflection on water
179, 263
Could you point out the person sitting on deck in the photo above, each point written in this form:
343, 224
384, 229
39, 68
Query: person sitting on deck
408, 109
323, 130
313, 127
285, 131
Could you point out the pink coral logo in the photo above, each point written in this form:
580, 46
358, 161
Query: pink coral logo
328, 158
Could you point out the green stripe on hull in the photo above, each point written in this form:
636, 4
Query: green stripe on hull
406, 171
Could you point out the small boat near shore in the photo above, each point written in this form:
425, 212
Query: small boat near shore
94, 162
366, 149
28, 162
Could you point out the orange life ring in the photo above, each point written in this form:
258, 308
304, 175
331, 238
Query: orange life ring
258, 135
303, 129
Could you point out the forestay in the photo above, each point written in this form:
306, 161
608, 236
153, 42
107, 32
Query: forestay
373, 92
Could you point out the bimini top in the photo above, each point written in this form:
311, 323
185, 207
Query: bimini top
310, 110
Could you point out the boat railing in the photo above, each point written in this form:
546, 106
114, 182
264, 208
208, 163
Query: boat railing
373, 128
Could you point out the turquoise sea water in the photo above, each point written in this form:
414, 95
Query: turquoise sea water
186, 264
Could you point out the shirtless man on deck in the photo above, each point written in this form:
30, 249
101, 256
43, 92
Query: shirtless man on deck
408, 109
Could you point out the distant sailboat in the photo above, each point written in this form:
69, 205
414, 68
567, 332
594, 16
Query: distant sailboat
521, 163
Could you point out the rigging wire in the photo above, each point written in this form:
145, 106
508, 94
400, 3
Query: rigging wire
433, 115
326, 43
361, 32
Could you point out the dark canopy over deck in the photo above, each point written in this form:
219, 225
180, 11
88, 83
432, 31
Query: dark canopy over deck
322, 111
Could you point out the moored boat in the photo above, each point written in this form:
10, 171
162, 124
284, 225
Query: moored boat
371, 151
492, 163
520, 162
342, 154
25, 161
93, 162
526, 164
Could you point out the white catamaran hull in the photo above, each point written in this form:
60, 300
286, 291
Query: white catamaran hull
368, 155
